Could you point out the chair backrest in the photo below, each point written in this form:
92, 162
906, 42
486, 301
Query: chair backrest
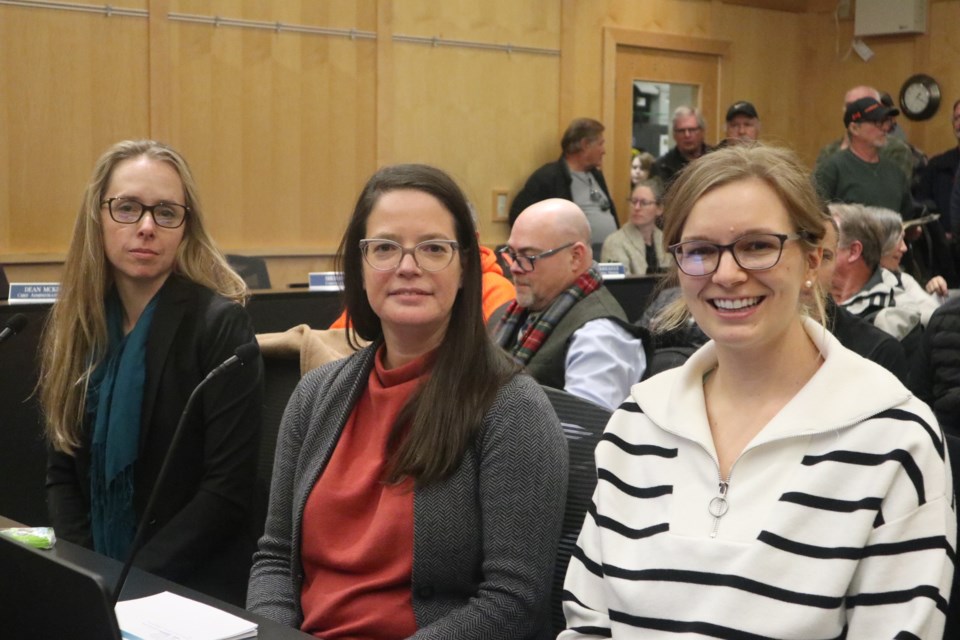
4, 284
280, 376
227, 569
667, 358
253, 270
583, 423
597, 249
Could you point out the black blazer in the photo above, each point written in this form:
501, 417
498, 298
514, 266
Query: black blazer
206, 497
553, 180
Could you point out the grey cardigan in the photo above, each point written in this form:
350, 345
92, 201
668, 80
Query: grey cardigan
484, 539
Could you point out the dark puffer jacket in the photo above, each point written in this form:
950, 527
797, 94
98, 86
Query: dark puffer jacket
936, 377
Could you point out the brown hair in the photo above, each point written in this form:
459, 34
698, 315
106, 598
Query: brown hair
447, 410
579, 130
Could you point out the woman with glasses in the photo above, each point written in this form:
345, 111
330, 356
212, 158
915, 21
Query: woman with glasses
638, 245
775, 485
147, 308
914, 295
419, 484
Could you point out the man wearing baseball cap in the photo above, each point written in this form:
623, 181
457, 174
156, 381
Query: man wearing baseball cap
858, 174
743, 124
896, 150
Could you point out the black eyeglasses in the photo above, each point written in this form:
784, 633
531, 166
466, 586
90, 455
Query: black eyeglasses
527, 263
168, 215
640, 202
753, 252
429, 255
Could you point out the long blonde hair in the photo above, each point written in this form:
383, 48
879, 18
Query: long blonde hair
779, 169
75, 337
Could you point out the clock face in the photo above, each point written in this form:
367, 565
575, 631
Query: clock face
916, 97
920, 97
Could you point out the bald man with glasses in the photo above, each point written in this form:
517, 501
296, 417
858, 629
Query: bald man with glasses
564, 326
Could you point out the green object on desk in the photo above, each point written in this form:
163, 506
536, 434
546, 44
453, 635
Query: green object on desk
39, 537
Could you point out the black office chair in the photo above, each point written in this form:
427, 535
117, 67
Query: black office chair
667, 358
280, 376
4, 285
583, 423
252, 270
597, 249
227, 571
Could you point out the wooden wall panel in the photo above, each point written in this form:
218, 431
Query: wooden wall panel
941, 53
71, 84
488, 118
582, 41
279, 127
530, 23
764, 66
827, 75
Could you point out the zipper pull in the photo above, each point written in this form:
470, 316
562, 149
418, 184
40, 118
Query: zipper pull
718, 507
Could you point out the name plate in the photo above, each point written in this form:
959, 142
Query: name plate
612, 270
33, 292
326, 281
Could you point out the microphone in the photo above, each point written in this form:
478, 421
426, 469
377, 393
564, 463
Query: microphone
243, 354
14, 326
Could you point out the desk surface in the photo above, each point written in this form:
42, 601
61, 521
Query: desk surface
141, 584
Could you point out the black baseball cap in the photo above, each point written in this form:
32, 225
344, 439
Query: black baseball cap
867, 110
741, 108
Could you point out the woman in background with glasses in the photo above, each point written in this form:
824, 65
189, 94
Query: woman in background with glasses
147, 308
775, 485
419, 485
638, 245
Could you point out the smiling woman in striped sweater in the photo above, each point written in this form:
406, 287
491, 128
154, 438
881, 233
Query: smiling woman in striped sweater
776, 485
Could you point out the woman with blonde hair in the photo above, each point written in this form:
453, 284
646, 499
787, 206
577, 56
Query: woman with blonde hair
147, 308
775, 485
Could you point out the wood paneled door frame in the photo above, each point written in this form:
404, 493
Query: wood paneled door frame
618, 43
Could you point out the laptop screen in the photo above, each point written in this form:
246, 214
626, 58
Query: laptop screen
44, 595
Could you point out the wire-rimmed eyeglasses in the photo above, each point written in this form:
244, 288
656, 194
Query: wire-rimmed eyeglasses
753, 252
168, 215
527, 263
429, 255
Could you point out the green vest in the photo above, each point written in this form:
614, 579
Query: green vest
548, 364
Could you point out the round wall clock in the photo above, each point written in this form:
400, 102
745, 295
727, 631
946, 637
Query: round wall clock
919, 97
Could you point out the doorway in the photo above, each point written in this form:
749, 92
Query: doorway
653, 105
661, 73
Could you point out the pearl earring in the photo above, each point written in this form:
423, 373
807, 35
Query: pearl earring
808, 284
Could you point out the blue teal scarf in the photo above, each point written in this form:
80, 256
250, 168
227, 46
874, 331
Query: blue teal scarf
116, 396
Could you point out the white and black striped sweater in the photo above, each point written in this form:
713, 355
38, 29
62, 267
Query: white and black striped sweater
839, 516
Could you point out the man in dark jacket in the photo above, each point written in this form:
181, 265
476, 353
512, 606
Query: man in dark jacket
688, 128
576, 177
935, 378
937, 178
